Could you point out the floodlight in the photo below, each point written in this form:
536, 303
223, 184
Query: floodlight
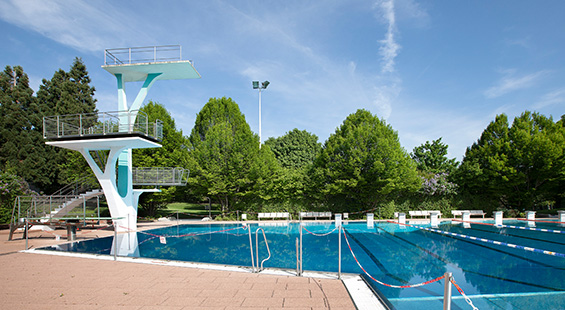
265, 84
255, 84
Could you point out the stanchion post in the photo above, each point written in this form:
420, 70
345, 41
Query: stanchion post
301, 270
26, 231
447, 291
297, 258
251, 248
115, 241
339, 254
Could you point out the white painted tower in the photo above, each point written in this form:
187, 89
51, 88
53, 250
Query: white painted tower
118, 133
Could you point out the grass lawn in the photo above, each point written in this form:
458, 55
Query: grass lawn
188, 210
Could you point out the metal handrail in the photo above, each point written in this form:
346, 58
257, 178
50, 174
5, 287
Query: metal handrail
144, 54
159, 176
101, 123
257, 248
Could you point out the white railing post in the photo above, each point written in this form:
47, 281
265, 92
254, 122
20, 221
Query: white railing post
447, 291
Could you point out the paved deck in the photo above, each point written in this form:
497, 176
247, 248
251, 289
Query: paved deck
35, 281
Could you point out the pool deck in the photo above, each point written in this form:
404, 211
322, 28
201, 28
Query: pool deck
35, 281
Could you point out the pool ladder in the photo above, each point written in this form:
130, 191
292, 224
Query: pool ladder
257, 268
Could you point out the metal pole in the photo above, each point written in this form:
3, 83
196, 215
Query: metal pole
26, 230
259, 117
251, 248
84, 210
115, 241
301, 249
447, 291
297, 260
339, 254
257, 249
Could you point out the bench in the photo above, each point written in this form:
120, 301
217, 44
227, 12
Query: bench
315, 215
457, 213
274, 215
424, 213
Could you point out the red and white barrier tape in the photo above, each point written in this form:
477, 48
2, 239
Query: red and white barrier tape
382, 283
319, 235
460, 290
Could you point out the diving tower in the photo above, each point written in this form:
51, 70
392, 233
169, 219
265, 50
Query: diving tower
106, 139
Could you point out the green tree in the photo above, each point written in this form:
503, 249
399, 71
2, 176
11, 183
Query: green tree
226, 162
518, 166
173, 153
295, 152
67, 93
432, 158
296, 149
21, 139
363, 164
11, 186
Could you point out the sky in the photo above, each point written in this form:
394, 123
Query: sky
430, 69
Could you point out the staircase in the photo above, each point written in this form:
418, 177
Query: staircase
47, 210
73, 202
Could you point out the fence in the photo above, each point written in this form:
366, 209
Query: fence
145, 54
102, 123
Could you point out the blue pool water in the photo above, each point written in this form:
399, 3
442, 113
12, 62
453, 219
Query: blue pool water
493, 276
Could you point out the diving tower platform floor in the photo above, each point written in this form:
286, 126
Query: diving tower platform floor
172, 70
104, 142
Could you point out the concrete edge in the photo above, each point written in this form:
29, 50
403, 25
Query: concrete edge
362, 296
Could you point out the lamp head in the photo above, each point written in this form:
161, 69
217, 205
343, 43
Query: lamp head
255, 84
265, 84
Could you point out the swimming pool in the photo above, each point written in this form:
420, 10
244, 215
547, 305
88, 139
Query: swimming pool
494, 276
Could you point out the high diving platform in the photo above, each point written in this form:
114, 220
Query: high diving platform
106, 139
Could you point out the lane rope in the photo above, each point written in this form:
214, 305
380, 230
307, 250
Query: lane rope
541, 221
515, 227
510, 245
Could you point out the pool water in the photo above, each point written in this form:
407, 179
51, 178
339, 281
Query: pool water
493, 276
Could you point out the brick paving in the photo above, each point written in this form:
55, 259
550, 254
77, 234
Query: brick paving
39, 281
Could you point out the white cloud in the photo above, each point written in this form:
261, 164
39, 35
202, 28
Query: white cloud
389, 48
511, 82
77, 24
552, 98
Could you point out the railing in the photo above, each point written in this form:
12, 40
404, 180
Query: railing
101, 123
159, 176
45, 206
146, 54
259, 269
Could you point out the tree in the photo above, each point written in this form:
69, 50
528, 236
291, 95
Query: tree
296, 149
172, 153
67, 93
11, 186
362, 164
226, 162
432, 157
21, 139
518, 166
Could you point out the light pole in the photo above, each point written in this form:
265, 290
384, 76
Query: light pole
260, 88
